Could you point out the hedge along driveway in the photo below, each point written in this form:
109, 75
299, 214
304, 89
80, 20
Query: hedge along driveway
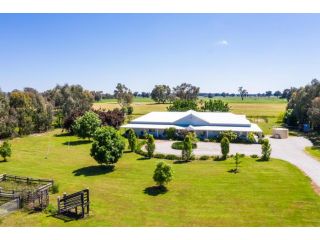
209, 148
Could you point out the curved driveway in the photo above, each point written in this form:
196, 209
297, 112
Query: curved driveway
290, 150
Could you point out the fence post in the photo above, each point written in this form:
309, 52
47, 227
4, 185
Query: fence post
82, 204
88, 204
58, 200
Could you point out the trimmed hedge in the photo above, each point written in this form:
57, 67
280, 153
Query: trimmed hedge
179, 145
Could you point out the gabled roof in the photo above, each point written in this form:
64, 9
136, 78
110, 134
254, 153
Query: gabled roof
192, 118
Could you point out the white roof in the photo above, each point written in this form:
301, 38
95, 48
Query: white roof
252, 128
211, 118
192, 120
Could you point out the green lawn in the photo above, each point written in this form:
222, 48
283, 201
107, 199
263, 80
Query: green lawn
203, 193
314, 151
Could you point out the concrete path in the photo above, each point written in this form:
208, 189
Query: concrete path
209, 148
291, 150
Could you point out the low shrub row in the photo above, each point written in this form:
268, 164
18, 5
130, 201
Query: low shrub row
179, 145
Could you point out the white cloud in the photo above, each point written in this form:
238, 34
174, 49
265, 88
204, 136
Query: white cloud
223, 43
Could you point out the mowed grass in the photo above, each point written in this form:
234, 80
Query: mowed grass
202, 193
314, 151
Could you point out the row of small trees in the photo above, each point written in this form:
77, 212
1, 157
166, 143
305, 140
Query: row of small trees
265, 148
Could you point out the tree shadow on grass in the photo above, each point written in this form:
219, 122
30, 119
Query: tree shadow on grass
143, 158
93, 170
233, 171
3, 161
261, 160
78, 142
155, 190
180, 162
66, 134
66, 217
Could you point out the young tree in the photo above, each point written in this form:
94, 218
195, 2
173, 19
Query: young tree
5, 150
266, 150
225, 147
187, 151
150, 145
123, 95
237, 162
132, 139
161, 93
86, 125
107, 146
163, 174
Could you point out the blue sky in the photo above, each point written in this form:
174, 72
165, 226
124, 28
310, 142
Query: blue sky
218, 52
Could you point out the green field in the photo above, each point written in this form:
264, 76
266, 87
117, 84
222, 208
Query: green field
225, 99
203, 193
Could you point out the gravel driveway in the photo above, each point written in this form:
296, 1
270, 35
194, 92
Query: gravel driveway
290, 150
209, 148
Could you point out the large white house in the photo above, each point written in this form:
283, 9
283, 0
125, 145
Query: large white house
204, 124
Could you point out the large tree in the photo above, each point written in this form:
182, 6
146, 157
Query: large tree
314, 112
70, 100
107, 146
7, 121
86, 125
123, 95
186, 91
114, 118
31, 110
161, 93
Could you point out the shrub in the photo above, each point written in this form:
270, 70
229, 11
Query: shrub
50, 209
170, 133
215, 106
5, 150
266, 150
55, 188
107, 146
86, 125
225, 147
172, 157
206, 140
162, 174
254, 156
187, 151
150, 145
251, 138
132, 139
179, 145
159, 155
114, 118
129, 110
204, 157
232, 136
